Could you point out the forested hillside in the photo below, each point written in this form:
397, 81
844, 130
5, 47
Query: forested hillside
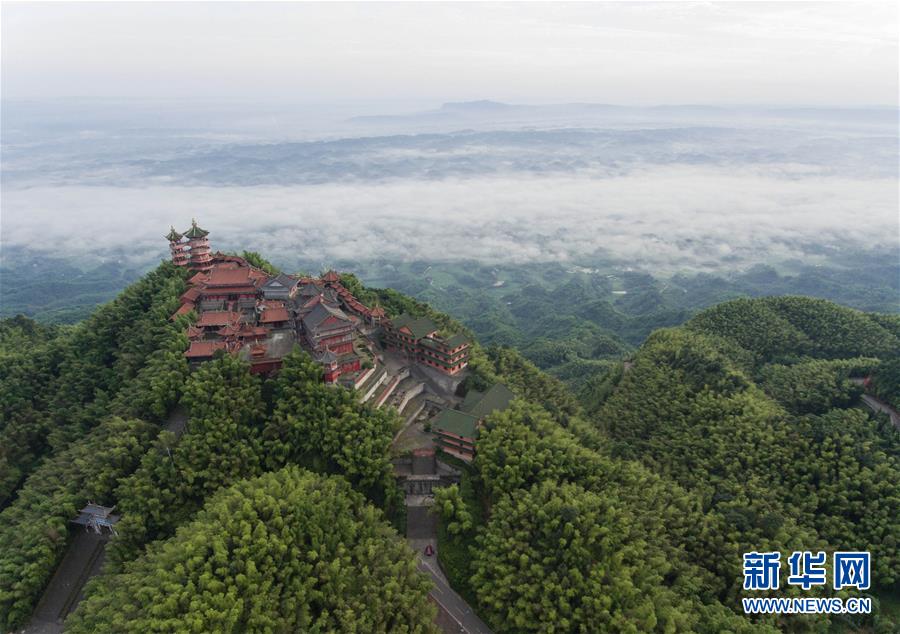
61, 443
574, 321
571, 321
737, 432
288, 551
84, 416
626, 508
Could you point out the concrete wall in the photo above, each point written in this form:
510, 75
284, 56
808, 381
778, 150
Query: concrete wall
409, 395
365, 374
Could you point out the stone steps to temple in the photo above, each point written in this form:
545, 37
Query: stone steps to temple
385, 390
368, 389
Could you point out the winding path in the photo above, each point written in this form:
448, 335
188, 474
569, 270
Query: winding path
454, 614
879, 406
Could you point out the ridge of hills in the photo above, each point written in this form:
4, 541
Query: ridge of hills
625, 507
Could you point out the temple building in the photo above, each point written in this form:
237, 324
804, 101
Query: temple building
273, 314
178, 248
280, 287
200, 351
327, 327
457, 429
420, 340
241, 309
198, 243
97, 518
229, 282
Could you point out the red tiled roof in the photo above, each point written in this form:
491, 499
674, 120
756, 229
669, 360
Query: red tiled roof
227, 276
191, 294
221, 290
204, 348
194, 333
345, 294
258, 275
184, 309
271, 315
219, 257
197, 278
217, 318
252, 331
229, 330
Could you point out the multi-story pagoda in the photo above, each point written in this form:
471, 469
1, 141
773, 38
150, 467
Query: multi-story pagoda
178, 247
201, 260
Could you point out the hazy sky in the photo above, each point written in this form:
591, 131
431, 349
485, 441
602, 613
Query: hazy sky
631, 53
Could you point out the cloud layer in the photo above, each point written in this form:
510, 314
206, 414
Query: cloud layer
665, 218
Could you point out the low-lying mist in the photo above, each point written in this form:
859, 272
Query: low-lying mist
661, 218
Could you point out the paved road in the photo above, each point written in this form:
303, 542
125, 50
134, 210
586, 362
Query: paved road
454, 614
878, 406
83, 560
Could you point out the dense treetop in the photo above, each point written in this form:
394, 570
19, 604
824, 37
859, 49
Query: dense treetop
714, 439
56, 384
60, 442
231, 435
886, 382
34, 528
288, 551
773, 328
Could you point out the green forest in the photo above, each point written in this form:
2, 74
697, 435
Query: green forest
618, 500
573, 320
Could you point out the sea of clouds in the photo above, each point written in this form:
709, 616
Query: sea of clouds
674, 217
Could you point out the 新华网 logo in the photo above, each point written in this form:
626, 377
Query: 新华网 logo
807, 569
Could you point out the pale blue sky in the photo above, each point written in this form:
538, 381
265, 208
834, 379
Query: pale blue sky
630, 53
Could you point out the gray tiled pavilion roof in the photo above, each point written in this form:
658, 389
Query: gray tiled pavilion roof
282, 279
320, 313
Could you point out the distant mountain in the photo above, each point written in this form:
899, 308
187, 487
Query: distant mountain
484, 105
495, 113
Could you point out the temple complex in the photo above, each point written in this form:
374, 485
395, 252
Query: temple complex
243, 310
403, 361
